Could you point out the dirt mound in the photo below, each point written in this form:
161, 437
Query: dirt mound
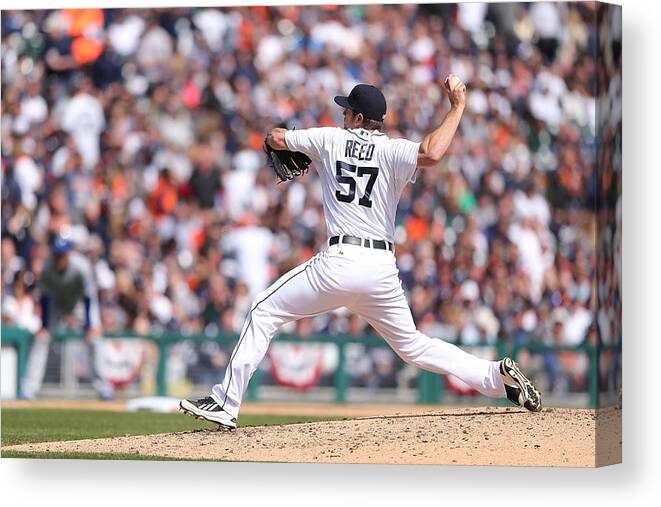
494, 436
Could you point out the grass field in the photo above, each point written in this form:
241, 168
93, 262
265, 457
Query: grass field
443, 435
25, 425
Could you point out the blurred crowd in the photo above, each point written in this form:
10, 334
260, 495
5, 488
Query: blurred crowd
138, 133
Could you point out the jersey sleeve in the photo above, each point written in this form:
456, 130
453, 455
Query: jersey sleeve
404, 158
312, 141
45, 280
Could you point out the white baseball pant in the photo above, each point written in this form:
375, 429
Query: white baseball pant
366, 281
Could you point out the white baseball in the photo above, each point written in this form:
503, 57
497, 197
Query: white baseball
454, 81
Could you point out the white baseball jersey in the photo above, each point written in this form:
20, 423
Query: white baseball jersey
362, 176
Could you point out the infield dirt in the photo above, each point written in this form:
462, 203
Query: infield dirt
452, 436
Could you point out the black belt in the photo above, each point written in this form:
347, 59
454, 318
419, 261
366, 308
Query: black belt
367, 243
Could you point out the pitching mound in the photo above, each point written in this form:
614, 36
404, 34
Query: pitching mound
494, 436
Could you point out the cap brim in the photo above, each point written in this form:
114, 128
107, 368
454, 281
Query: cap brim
61, 249
342, 101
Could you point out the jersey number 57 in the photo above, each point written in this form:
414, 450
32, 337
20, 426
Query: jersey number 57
350, 180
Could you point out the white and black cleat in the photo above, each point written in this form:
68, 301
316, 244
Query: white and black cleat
519, 389
208, 410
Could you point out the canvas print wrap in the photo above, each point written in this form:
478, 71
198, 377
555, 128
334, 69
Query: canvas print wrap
330, 234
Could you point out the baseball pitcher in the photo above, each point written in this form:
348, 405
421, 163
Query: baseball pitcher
362, 172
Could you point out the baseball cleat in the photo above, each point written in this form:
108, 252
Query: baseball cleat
519, 389
208, 410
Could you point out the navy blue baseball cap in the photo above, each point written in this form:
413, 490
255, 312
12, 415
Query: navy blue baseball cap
366, 99
61, 245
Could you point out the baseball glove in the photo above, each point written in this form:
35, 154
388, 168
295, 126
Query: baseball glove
287, 164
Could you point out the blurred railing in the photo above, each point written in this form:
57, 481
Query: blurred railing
431, 388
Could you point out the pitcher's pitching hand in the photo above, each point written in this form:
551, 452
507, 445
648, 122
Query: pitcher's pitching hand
456, 90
